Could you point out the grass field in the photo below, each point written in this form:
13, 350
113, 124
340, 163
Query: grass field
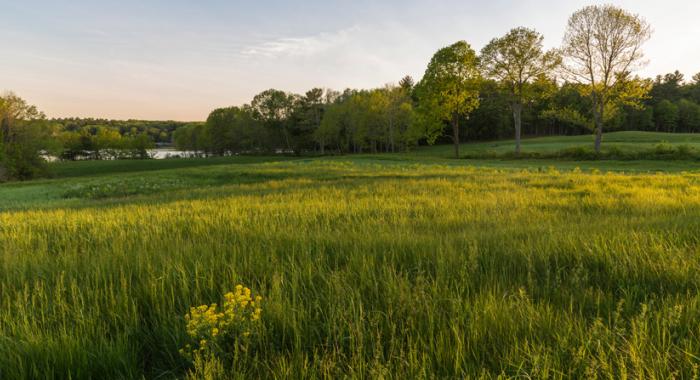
387, 266
627, 141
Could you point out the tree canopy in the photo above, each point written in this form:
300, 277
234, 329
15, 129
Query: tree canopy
25, 135
602, 46
449, 89
515, 61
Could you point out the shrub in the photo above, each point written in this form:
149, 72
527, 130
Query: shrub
615, 153
663, 148
578, 153
684, 150
666, 151
661, 151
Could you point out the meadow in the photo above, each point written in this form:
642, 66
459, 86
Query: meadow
377, 266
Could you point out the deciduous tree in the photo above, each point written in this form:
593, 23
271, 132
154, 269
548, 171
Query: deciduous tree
24, 135
602, 46
516, 60
449, 89
273, 107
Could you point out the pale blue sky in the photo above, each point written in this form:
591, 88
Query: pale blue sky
179, 59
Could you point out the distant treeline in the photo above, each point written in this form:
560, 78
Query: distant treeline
386, 119
512, 87
28, 139
111, 139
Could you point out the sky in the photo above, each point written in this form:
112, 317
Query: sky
178, 59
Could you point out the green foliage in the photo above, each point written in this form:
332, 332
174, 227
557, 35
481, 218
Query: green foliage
449, 89
377, 120
517, 60
491, 120
688, 116
602, 44
274, 108
398, 118
193, 137
157, 131
101, 142
25, 136
308, 113
450, 83
234, 129
666, 116
622, 146
330, 132
569, 116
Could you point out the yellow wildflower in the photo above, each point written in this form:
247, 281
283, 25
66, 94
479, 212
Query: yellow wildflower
212, 326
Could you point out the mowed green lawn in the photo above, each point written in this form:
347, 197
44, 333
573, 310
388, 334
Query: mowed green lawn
627, 141
395, 266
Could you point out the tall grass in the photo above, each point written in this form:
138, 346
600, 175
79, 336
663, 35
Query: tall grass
367, 271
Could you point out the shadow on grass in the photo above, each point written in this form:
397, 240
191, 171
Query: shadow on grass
101, 168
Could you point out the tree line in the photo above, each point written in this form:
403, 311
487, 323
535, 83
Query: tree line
88, 138
28, 139
513, 87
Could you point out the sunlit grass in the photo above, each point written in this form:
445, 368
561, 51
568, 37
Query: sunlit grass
367, 270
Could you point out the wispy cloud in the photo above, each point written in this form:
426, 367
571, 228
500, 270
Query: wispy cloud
300, 46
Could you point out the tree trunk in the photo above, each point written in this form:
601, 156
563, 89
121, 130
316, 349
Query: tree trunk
598, 117
286, 139
455, 134
517, 118
391, 135
4, 131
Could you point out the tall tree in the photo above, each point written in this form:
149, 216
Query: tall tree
666, 116
398, 113
668, 87
24, 134
308, 112
516, 60
231, 130
602, 45
220, 127
192, 137
407, 84
688, 115
449, 89
273, 107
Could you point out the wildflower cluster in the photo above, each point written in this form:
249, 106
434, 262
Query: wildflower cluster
215, 330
